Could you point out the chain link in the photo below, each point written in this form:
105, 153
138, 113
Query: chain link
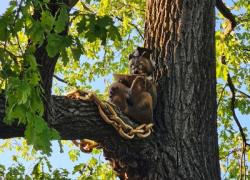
125, 130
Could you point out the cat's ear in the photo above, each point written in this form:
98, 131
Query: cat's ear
130, 56
145, 52
140, 52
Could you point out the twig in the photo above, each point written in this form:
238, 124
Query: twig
17, 12
12, 55
245, 169
227, 14
61, 80
230, 152
243, 135
133, 25
243, 93
14, 23
232, 89
130, 6
221, 95
18, 42
241, 161
87, 8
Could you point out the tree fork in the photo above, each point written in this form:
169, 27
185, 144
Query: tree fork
45, 63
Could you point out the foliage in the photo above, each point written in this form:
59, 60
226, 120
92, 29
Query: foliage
233, 54
43, 170
94, 31
29, 164
100, 35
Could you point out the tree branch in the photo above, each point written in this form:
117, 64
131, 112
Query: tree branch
243, 93
227, 14
221, 95
133, 25
75, 119
78, 119
61, 80
232, 89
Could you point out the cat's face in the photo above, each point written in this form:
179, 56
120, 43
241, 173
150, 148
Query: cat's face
139, 62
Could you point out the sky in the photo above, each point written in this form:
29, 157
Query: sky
57, 158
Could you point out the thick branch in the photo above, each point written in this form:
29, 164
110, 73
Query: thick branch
227, 14
75, 119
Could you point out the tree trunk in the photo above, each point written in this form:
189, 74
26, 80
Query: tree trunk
181, 33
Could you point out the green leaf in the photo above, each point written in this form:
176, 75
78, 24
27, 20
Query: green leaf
29, 132
25, 90
39, 124
31, 59
57, 43
78, 168
2, 170
18, 25
62, 20
3, 29
76, 52
36, 102
74, 154
54, 134
17, 112
37, 170
64, 56
47, 21
36, 32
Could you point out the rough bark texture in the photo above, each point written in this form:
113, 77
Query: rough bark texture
76, 119
184, 143
181, 33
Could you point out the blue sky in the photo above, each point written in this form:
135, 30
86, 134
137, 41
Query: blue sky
57, 159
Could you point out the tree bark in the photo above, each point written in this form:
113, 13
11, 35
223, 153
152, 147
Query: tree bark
45, 63
77, 119
181, 33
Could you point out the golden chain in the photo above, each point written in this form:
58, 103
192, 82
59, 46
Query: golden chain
125, 130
